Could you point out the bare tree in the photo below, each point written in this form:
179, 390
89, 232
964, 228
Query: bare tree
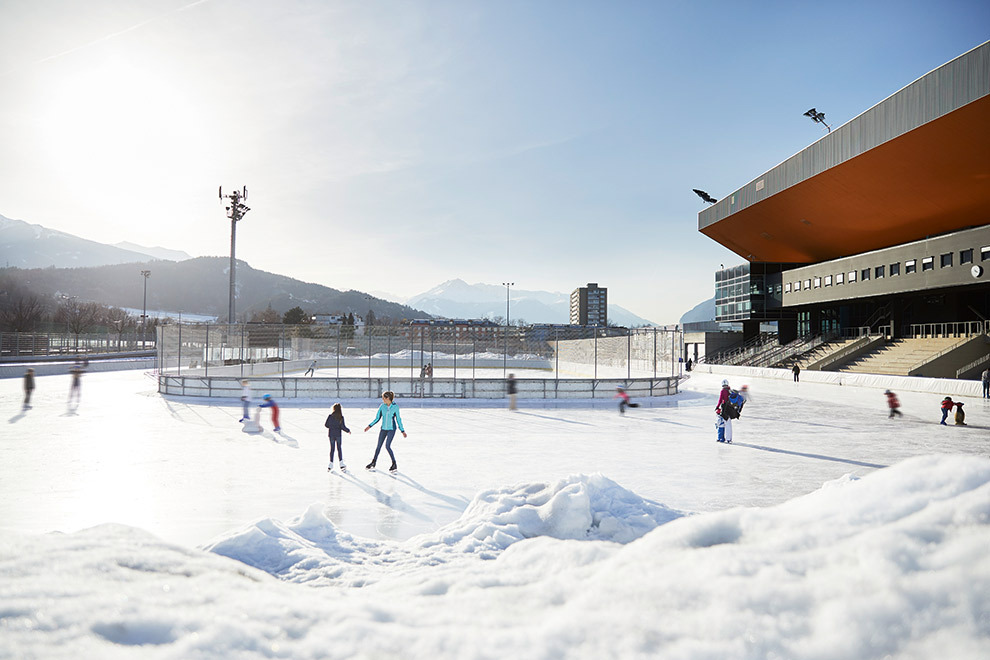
78, 317
23, 314
120, 321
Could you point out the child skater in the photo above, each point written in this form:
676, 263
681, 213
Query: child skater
335, 422
388, 412
893, 404
270, 403
947, 404
623, 400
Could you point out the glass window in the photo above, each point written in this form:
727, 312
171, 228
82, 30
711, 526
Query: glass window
911, 266
828, 280
945, 261
878, 271
787, 288
895, 269
928, 263
838, 278
807, 284
864, 274
852, 276
966, 256
818, 282
985, 253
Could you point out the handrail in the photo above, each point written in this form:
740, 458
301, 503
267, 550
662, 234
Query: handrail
949, 329
942, 352
973, 365
856, 345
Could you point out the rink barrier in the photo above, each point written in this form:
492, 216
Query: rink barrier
943, 386
460, 388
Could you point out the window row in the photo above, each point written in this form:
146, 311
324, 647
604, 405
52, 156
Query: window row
890, 270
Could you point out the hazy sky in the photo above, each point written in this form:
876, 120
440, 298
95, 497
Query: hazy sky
389, 146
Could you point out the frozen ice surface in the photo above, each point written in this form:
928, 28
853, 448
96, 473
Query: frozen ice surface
560, 530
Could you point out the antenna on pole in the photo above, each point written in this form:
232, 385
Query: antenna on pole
235, 212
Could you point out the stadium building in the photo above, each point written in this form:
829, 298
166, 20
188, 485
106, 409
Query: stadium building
880, 228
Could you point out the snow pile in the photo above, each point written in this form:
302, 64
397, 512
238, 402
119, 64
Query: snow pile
311, 549
893, 564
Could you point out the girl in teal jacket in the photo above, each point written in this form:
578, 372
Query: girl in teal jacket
388, 412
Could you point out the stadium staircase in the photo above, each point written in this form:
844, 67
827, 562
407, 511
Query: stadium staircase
902, 357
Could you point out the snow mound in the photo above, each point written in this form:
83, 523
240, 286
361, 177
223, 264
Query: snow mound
311, 549
579, 507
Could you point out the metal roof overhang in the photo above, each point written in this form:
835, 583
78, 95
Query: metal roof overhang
931, 180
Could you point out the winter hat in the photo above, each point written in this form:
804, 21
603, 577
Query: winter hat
267, 396
725, 382
887, 392
948, 398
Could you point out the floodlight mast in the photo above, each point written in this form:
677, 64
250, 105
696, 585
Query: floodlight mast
235, 212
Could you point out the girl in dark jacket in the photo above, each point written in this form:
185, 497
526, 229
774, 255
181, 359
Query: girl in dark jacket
335, 422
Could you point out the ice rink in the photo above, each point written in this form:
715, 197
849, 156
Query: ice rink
183, 469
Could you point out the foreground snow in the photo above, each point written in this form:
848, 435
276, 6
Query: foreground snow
552, 532
893, 564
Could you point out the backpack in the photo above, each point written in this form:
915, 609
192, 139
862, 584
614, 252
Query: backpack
733, 406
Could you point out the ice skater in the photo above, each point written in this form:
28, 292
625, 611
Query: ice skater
512, 389
960, 415
245, 401
797, 372
623, 398
947, 405
985, 379
75, 389
893, 404
28, 387
335, 422
312, 369
388, 413
269, 402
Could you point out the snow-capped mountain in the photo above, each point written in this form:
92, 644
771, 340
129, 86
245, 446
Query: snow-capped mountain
458, 299
24, 245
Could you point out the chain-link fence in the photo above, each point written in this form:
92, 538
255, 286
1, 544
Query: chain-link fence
27, 345
416, 360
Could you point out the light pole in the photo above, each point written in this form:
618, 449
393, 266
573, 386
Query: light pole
235, 212
505, 356
144, 309
818, 118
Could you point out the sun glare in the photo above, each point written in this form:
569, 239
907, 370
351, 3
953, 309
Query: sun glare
116, 125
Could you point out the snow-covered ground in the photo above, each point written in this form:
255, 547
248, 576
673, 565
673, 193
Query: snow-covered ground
139, 526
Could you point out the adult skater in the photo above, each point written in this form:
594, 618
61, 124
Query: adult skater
312, 369
947, 405
335, 422
388, 412
623, 398
269, 402
75, 389
797, 372
723, 424
985, 379
245, 401
893, 404
28, 387
512, 388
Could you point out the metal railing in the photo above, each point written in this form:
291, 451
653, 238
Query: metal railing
421, 360
955, 329
30, 345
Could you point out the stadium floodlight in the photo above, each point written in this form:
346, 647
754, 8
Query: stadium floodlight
705, 196
235, 212
818, 118
144, 310
505, 356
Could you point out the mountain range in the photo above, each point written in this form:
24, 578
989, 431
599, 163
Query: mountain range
49, 263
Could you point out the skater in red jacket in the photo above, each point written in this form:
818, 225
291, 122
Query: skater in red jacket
947, 405
893, 404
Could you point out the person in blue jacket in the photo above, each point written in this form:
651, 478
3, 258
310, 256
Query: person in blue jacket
335, 422
269, 402
388, 413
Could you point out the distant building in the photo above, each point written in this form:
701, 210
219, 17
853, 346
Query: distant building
456, 329
589, 305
